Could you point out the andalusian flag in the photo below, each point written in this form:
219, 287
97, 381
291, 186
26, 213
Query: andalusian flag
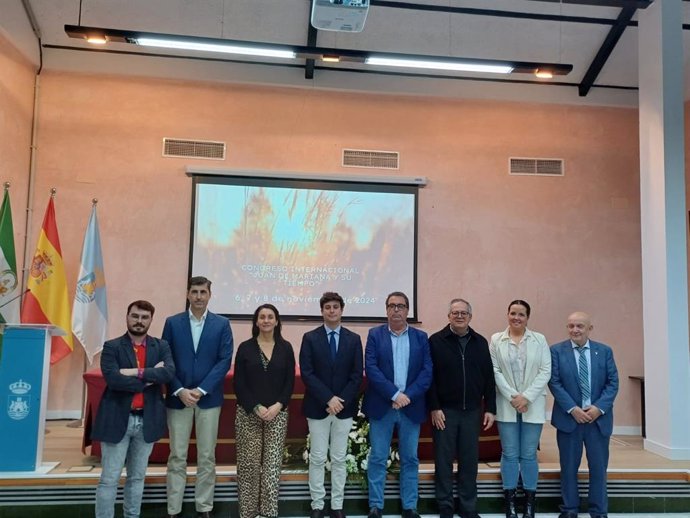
90, 309
9, 287
46, 300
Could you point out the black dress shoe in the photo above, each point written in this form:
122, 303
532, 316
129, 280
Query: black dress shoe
337, 513
599, 515
410, 513
204, 514
317, 513
567, 515
173, 515
374, 512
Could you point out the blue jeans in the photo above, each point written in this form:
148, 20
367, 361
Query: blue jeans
133, 451
380, 435
519, 442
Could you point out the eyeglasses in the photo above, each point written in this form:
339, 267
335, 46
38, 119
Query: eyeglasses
396, 307
456, 314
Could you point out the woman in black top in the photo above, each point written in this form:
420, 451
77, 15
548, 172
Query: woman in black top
264, 379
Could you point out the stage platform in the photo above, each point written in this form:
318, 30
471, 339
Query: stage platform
639, 482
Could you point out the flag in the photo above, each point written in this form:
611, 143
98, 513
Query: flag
90, 309
9, 287
46, 300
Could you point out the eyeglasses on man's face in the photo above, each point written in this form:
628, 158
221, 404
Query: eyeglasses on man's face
396, 307
456, 314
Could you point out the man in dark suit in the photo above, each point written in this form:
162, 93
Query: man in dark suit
201, 344
330, 361
131, 415
584, 383
398, 367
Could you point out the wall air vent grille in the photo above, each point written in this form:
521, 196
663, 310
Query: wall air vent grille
181, 148
371, 159
537, 166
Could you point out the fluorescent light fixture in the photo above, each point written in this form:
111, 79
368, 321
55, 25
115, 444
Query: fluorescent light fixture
458, 66
103, 35
213, 47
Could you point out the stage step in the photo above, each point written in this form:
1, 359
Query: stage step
74, 496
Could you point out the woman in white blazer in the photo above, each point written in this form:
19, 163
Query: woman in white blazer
522, 369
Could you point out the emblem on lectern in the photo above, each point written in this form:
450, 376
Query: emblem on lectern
18, 405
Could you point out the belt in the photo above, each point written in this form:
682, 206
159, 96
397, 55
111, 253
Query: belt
136, 411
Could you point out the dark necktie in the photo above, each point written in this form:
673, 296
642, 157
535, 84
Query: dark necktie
331, 342
584, 375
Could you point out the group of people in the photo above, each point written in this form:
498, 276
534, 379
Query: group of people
451, 376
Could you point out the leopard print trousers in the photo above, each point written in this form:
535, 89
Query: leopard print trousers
259, 457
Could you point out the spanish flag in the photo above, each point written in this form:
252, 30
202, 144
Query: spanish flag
46, 300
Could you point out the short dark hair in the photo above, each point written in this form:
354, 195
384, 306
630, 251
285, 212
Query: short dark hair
198, 281
142, 304
398, 294
331, 296
521, 302
277, 336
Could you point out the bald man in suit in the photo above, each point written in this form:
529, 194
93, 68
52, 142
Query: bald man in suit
584, 383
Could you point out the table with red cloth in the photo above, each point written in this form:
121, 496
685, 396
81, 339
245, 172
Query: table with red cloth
489, 444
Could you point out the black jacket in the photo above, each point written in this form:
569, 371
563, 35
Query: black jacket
254, 385
113, 411
460, 380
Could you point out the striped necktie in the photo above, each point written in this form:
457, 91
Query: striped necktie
584, 375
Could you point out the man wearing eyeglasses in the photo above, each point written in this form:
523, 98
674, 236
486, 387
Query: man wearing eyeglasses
131, 415
463, 379
398, 368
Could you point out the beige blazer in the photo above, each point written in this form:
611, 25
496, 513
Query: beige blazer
537, 375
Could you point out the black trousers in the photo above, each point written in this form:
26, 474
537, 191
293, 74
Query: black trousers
460, 438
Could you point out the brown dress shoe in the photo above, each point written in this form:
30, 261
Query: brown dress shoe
337, 513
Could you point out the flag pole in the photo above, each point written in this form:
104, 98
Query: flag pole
79, 423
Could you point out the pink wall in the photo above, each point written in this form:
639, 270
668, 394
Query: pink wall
16, 107
561, 243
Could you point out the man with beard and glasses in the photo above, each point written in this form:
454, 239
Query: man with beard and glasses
131, 416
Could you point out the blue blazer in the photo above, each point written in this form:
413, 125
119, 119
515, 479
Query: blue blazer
324, 378
207, 367
378, 362
113, 411
565, 385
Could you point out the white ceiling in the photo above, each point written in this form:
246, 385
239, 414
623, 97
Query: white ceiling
387, 29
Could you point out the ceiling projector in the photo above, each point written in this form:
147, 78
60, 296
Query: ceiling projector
339, 15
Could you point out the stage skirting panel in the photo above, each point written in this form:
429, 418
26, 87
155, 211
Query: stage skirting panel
489, 445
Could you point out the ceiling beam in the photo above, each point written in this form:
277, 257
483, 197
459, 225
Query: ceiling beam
639, 4
490, 12
311, 42
516, 14
605, 50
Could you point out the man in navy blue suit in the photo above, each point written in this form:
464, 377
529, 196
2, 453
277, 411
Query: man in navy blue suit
584, 383
399, 369
201, 345
330, 361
